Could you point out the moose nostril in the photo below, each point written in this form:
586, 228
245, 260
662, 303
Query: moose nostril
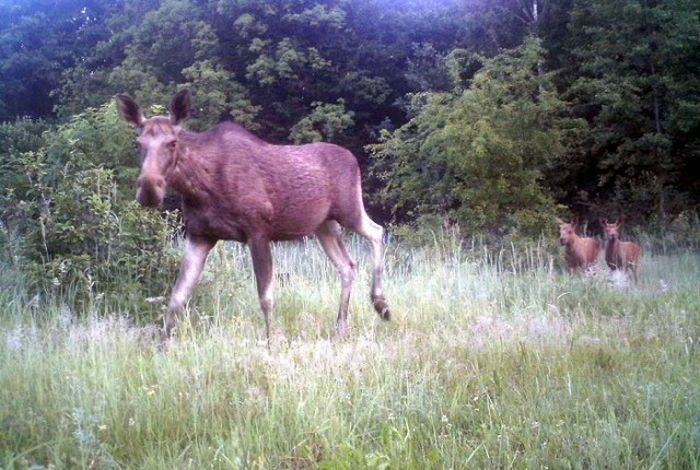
150, 182
149, 192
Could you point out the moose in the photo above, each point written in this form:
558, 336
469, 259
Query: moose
236, 186
618, 254
579, 252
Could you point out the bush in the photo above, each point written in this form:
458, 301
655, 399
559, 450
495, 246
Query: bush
73, 226
478, 156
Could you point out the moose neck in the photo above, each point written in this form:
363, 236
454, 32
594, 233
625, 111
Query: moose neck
573, 242
188, 176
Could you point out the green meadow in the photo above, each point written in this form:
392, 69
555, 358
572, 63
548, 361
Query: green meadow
491, 360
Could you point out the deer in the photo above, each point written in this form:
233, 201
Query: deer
236, 186
580, 253
618, 254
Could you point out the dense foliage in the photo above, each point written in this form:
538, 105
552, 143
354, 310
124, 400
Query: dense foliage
479, 157
488, 114
68, 215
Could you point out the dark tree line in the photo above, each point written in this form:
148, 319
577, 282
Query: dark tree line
491, 114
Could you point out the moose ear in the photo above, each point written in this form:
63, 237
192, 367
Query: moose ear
129, 110
180, 106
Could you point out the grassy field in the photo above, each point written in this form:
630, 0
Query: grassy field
490, 361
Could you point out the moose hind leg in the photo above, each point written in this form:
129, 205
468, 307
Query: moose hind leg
193, 260
375, 234
261, 253
330, 238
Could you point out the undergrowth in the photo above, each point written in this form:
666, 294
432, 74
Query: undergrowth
490, 360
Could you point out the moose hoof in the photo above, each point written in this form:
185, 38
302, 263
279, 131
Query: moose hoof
169, 327
342, 330
382, 308
166, 335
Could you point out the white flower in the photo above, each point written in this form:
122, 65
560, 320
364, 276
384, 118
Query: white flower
14, 339
619, 279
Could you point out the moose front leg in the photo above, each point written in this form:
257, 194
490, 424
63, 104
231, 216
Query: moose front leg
196, 251
261, 253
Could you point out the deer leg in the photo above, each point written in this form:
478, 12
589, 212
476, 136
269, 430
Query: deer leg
375, 234
261, 253
196, 251
330, 238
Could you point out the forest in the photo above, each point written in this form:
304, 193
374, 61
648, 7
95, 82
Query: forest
489, 116
492, 114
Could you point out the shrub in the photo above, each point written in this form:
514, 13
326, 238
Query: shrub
72, 226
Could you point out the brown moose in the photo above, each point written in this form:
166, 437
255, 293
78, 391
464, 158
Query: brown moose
236, 186
579, 252
618, 254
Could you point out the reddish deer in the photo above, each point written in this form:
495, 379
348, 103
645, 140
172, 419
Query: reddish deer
619, 254
236, 186
580, 252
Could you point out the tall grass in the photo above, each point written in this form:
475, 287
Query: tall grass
490, 360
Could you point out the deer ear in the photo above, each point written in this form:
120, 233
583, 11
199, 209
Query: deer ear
129, 110
180, 106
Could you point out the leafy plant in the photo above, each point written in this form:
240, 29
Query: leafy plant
81, 231
479, 156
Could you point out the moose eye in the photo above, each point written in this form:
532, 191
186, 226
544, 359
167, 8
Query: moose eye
171, 145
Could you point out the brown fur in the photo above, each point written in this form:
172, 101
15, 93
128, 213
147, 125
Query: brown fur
579, 252
619, 254
236, 186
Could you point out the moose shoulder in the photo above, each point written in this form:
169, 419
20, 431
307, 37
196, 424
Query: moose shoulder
236, 186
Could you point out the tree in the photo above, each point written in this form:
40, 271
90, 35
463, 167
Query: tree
478, 157
324, 123
636, 63
39, 39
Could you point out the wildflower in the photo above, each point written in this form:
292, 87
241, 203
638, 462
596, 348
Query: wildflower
14, 339
65, 317
591, 272
34, 302
619, 279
